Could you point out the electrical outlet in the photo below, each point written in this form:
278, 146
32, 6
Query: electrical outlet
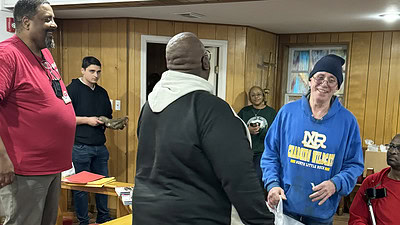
117, 105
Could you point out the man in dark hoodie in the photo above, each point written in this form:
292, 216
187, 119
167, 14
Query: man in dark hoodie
89, 153
194, 158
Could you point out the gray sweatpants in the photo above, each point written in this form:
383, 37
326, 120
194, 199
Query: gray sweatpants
31, 200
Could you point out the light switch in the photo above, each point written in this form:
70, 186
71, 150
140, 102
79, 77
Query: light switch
111, 101
117, 105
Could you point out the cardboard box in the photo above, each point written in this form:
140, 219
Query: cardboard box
376, 160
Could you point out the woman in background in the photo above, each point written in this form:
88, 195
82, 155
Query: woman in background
258, 117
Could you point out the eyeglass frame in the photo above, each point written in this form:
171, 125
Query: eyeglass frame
328, 81
393, 146
55, 81
208, 54
49, 68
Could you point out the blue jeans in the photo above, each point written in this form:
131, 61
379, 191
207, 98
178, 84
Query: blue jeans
311, 221
93, 159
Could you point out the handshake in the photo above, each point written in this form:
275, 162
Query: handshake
115, 124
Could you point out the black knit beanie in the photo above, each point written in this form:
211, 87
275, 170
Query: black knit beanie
332, 64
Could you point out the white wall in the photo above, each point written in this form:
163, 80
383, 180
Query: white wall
3, 32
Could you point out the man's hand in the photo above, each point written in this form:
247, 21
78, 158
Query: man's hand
273, 196
116, 123
94, 121
323, 191
254, 130
6, 170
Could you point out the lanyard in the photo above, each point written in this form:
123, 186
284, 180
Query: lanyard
44, 67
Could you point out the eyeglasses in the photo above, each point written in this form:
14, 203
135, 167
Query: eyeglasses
55, 81
331, 81
393, 147
208, 54
49, 69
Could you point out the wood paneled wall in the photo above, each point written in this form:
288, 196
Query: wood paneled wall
261, 63
372, 79
117, 43
235, 87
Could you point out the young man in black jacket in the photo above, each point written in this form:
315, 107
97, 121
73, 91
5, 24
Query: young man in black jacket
89, 153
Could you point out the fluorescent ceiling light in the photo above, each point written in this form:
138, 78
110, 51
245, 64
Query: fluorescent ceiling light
390, 17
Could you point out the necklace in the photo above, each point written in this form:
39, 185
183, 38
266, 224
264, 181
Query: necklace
256, 114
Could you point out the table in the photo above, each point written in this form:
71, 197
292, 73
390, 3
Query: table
107, 189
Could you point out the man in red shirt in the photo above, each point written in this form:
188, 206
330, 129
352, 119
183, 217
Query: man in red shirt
386, 208
37, 120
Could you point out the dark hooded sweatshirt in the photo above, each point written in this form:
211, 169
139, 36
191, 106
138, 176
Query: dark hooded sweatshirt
194, 160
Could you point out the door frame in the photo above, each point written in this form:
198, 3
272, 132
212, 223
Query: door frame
222, 62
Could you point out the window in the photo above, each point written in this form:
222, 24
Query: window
301, 62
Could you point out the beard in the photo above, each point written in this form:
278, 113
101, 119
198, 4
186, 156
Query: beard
49, 41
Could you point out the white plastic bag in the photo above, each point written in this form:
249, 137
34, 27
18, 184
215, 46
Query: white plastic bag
280, 218
235, 218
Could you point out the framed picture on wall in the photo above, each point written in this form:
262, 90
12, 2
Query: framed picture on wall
301, 62
292, 97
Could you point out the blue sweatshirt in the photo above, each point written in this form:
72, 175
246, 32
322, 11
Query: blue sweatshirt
300, 150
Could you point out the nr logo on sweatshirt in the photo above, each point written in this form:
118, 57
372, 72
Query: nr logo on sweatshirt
308, 154
314, 140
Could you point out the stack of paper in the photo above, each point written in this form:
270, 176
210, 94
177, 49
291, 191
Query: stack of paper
123, 190
83, 177
125, 193
101, 182
126, 199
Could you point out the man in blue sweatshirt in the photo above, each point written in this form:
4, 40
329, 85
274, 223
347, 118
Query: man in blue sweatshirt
313, 152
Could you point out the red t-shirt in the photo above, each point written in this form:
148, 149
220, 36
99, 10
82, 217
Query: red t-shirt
37, 127
386, 210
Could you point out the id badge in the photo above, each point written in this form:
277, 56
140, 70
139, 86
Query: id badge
66, 97
55, 84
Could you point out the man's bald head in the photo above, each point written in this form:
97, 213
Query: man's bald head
185, 53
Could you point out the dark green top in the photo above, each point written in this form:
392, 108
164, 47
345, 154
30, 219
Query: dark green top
264, 118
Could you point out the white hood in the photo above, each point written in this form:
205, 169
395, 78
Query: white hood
174, 85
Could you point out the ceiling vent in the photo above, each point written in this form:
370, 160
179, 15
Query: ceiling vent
191, 15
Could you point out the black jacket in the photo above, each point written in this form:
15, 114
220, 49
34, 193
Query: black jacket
88, 102
193, 162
